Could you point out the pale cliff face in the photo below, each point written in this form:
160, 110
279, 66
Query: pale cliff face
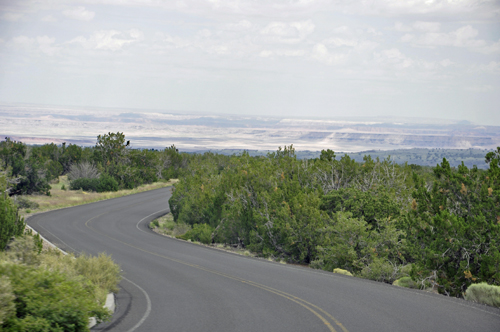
38, 125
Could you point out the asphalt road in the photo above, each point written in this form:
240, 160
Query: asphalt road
172, 285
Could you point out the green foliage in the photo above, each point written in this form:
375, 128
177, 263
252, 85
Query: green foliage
24, 203
341, 271
199, 232
32, 182
167, 226
484, 293
49, 291
370, 205
10, 223
406, 282
7, 306
31, 168
49, 301
101, 184
85, 184
453, 228
100, 270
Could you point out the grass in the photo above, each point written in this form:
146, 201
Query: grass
344, 272
66, 198
484, 293
406, 282
166, 225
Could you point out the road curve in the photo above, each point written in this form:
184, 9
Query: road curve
172, 285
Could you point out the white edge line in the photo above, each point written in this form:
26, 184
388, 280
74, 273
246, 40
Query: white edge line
137, 225
148, 309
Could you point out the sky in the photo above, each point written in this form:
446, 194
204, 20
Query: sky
285, 58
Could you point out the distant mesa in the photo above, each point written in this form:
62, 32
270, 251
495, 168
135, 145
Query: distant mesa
189, 132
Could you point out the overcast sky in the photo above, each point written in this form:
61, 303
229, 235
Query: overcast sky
310, 58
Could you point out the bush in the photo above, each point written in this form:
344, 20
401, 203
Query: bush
102, 184
341, 271
10, 222
84, 170
107, 183
24, 203
379, 270
484, 293
7, 307
23, 250
49, 301
100, 270
167, 226
86, 184
200, 232
406, 282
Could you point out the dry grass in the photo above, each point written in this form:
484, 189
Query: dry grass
484, 293
66, 198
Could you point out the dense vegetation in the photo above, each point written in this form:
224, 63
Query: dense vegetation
434, 227
108, 166
376, 219
49, 291
416, 156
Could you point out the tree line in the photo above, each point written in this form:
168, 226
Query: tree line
108, 166
377, 219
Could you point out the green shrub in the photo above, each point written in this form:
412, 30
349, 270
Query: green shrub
341, 271
100, 270
24, 250
10, 222
382, 270
317, 264
484, 293
199, 232
101, 184
84, 184
7, 307
406, 282
24, 203
167, 226
107, 183
49, 301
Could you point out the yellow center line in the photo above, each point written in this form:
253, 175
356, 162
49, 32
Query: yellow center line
307, 305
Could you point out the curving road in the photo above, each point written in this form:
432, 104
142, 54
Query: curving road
172, 285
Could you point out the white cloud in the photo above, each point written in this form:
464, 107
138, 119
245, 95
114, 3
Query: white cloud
407, 37
205, 33
493, 67
446, 63
427, 26
48, 18
448, 8
240, 26
12, 17
23, 41
79, 13
285, 53
462, 37
321, 53
112, 40
393, 58
398, 26
174, 41
480, 88
45, 44
293, 32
